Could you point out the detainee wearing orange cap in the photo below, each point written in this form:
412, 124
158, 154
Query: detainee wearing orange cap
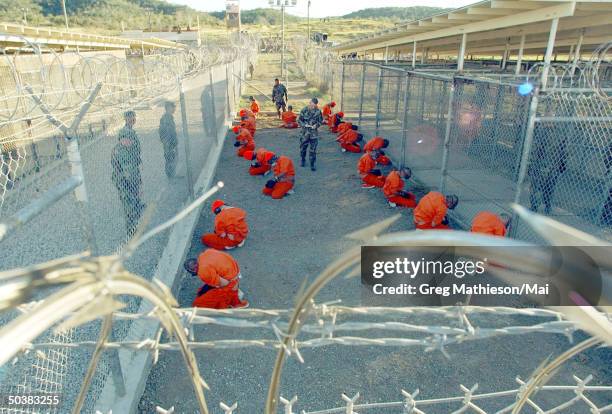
260, 158
490, 223
284, 178
231, 228
220, 273
244, 140
327, 110
334, 121
289, 118
378, 144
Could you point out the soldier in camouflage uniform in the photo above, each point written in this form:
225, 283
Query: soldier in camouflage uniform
167, 134
279, 97
125, 161
310, 120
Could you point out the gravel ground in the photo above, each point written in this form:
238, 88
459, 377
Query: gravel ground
292, 240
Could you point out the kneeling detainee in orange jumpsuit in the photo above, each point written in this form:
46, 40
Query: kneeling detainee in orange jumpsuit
221, 276
284, 178
349, 141
490, 223
327, 110
394, 189
430, 212
231, 228
260, 164
289, 118
335, 121
377, 144
244, 141
370, 176
345, 126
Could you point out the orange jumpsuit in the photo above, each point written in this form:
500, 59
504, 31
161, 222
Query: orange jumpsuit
327, 111
365, 165
231, 229
284, 168
348, 141
246, 140
343, 127
260, 157
333, 122
213, 266
250, 125
392, 188
289, 120
431, 211
486, 222
255, 108
376, 144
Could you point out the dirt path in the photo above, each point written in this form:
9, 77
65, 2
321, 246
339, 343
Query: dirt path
292, 240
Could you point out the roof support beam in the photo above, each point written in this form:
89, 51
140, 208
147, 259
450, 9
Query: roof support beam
554, 24
577, 51
519, 59
502, 22
461, 55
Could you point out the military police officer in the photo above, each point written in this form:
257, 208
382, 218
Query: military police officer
167, 135
310, 120
125, 161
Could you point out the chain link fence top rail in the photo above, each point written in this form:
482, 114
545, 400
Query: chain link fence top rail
468, 134
129, 164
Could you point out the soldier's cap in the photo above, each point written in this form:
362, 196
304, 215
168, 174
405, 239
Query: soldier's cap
314, 101
252, 98
129, 114
169, 104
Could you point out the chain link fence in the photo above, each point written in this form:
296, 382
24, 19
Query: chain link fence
476, 135
97, 147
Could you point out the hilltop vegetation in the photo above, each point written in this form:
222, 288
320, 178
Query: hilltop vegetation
395, 13
107, 16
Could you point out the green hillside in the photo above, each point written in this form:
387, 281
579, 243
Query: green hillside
395, 13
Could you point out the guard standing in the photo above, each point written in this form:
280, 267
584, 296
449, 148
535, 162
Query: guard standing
279, 96
310, 120
125, 161
167, 135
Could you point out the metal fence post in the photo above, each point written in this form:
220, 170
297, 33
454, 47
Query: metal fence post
527, 143
378, 98
447, 133
342, 87
363, 73
397, 96
227, 90
405, 118
190, 188
212, 100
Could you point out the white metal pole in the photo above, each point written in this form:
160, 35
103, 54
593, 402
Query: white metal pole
577, 52
65, 13
554, 24
519, 59
414, 49
308, 17
283, 39
506, 53
461, 56
386, 54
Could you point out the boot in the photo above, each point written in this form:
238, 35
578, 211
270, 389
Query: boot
312, 166
303, 163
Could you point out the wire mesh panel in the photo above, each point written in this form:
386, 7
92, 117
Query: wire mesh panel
352, 90
94, 148
570, 162
486, 138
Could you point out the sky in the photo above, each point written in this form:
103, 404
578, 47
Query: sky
324, 8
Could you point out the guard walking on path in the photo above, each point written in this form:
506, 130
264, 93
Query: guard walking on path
125, 161
279, 97
167, 135
310, 120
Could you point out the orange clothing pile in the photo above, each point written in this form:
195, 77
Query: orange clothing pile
486, 222
431, 211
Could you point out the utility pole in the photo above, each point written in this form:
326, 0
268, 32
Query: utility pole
282, 4
25, 15
65, 14
308, 19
